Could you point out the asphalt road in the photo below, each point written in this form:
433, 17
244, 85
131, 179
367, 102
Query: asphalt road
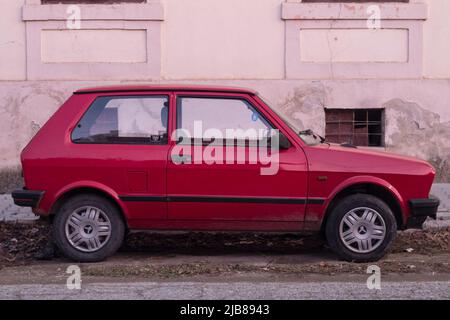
234, 290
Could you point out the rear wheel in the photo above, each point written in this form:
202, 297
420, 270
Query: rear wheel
361, 228
88, 228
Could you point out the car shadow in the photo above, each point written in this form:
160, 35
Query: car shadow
224, 243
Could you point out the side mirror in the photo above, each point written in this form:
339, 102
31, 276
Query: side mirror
283, 141
280, 139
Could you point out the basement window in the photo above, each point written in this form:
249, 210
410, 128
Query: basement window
360, 127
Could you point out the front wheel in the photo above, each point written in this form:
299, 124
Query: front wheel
361, 228
88, 228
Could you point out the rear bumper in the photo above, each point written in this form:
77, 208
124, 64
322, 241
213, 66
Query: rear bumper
27, 198
420, 210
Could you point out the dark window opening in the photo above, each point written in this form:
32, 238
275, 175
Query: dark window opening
360, 127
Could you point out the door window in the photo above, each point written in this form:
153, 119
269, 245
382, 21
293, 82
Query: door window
215, 118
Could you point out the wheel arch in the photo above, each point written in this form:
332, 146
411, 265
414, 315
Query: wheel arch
375, 187
88, 188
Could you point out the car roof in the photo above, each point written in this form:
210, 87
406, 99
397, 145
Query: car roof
143, 88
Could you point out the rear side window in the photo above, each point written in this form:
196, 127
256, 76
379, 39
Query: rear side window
124, 120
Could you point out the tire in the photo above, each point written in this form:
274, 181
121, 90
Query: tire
88, 228
366, 239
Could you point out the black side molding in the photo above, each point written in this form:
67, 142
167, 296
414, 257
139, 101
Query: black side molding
238, 200
223, 199
143, 198
27, 198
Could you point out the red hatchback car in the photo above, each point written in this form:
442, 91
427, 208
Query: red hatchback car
207, 158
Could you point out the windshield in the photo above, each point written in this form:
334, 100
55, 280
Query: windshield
307, 135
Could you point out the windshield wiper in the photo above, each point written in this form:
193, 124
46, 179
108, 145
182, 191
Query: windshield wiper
309, 132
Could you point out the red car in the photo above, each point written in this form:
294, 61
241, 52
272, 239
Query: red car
209, 158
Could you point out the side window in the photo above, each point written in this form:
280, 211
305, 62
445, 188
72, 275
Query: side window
124, 120
226, 118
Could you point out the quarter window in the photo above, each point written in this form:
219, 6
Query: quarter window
133, 119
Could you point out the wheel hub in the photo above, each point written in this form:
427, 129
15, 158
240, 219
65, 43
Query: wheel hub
88, 229
362, 230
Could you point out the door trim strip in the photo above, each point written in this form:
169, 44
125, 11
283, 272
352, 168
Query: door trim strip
209, 199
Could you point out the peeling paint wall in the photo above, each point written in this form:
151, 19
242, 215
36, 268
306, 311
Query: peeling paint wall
305, 107
23, 110
413, 130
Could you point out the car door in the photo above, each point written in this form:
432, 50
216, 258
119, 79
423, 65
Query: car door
205, 189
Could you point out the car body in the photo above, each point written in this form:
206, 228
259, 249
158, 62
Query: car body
97, 146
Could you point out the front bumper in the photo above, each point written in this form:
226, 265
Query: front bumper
27, 198
420, 210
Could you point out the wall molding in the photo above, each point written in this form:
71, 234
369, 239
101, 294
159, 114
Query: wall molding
143, 11
301, 16
145, 16
352, 11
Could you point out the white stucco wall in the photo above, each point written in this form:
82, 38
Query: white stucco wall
344, 45
436, 40
129, 46
215, 39
12, 41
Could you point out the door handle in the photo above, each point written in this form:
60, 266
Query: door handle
178, 159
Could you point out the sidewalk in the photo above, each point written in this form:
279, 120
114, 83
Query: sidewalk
230, 290
11, 212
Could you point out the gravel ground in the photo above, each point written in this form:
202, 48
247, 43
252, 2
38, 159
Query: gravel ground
232, 291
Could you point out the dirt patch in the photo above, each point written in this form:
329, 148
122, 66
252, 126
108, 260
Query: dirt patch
422, 242
22, 242
388, 266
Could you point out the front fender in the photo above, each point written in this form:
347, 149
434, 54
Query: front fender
355, 180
